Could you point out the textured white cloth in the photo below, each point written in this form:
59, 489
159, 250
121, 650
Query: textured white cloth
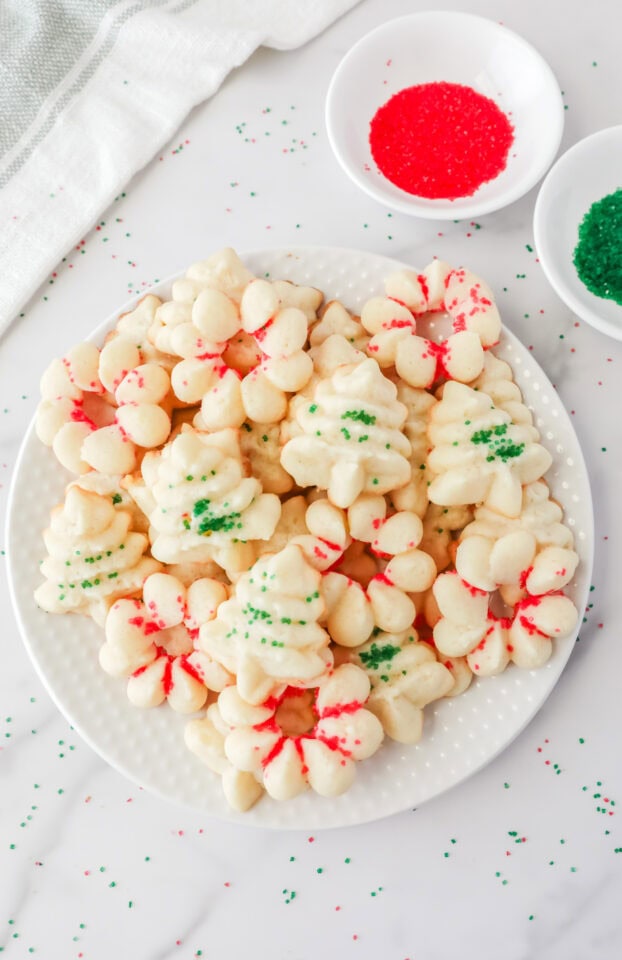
91, 91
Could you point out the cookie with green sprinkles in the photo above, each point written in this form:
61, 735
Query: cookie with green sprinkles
269, 633
405, 676
94, 556
479, 455
203, 506
348, 436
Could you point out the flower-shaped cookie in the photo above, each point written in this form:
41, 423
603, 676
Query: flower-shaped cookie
151, 641
205, 737
405, 676
466, 298
469, 628
532, 553
98, 407
241, 340
203, 507
281, 334
515, 561
349, 438
303, 738
479, 455
93, 556
420, 362
268, 632
197, 325
394, 540
199, 332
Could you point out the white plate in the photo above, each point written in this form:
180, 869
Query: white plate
587, 172
457, 48
147, 746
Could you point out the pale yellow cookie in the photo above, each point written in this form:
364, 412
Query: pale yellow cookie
94, 556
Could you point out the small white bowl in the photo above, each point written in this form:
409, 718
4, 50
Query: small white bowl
456, 48
587, 172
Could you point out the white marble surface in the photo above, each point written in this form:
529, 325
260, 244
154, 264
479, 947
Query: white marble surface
523, 860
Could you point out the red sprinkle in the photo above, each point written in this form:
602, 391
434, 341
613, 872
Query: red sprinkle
440, 140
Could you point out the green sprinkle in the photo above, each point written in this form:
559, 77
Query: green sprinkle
210, 523
377, 654
359, 415
597, 256
485, 436
497, 449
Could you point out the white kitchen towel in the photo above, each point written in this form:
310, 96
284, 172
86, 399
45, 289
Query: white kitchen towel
90, 90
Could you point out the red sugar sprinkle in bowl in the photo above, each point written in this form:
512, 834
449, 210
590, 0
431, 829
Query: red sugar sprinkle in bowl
444, 115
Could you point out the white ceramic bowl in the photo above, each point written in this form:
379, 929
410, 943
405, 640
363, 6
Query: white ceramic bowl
456, 48
587, 172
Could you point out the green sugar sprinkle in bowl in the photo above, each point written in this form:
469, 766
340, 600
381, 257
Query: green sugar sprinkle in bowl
578, 229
